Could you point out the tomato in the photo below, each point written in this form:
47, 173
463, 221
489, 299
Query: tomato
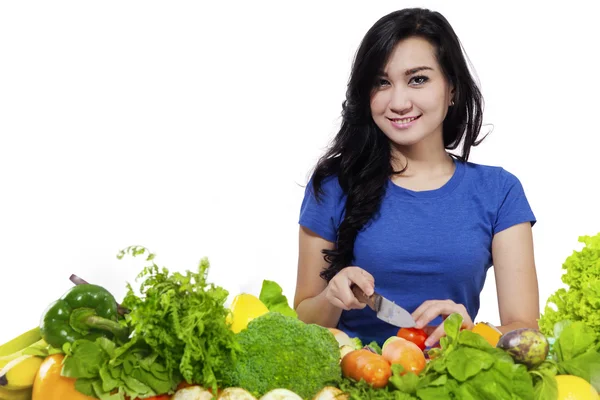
415, 335
409, 355
49, 384
364, 364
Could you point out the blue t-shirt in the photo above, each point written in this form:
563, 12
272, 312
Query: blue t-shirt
424, 245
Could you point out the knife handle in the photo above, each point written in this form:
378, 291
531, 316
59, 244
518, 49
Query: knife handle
371, 301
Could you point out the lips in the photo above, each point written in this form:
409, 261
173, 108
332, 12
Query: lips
403, 121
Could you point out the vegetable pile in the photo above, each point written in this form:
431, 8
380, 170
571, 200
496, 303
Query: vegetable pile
173, 338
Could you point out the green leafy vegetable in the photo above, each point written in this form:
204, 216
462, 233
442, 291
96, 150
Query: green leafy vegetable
375, 347
107, 372
182, 318
580, 301
467, 367
575, 351
363, 391
271, 294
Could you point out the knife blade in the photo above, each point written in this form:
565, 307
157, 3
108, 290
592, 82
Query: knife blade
386, 310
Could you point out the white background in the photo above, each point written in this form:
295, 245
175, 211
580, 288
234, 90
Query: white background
191, 128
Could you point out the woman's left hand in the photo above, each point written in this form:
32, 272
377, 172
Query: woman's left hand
431, 309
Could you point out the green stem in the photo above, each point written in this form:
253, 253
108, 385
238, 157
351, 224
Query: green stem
96, 322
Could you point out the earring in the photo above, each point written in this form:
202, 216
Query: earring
452, 103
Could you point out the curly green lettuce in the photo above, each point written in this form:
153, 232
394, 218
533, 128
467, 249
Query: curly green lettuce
580, 301
182, 318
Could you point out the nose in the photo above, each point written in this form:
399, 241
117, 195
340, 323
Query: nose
400, 101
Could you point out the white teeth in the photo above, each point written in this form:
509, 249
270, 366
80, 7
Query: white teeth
404, 121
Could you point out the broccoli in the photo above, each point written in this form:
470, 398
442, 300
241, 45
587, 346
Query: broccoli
282, 352
356, 343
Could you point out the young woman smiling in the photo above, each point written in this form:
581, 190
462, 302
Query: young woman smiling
388, 207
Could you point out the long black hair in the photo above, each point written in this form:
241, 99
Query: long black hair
360, 155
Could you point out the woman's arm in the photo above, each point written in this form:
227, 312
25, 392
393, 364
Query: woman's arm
310, 302
516, 278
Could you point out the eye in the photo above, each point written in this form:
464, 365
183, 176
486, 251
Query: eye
419, 80
382, 82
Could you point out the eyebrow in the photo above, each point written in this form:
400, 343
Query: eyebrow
411, 71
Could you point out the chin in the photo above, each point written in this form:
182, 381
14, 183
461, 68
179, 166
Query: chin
405, 139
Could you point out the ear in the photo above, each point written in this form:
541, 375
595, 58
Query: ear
451, 95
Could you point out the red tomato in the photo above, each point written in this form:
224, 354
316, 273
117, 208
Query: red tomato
415, 335
364, 364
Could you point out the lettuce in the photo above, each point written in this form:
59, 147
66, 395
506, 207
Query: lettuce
575, 351
581, 300
272, 296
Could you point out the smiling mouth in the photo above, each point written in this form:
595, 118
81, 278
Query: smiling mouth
403, 121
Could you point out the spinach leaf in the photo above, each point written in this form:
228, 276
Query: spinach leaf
465, 362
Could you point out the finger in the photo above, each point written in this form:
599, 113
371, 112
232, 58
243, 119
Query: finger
429, 329
436, 309
421, 309
345, 295
435, 336
362, 279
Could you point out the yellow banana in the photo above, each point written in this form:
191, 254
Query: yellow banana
19, 373
24, 394
18, 369
20, 342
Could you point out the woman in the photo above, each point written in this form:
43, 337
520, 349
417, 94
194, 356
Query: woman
388, 208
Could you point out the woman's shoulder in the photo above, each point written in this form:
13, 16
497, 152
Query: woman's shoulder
490, 174
329, 185
329, 190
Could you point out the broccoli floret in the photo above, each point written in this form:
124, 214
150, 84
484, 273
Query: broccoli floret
283, 352
357, 343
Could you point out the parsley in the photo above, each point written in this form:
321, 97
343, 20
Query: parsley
182, 318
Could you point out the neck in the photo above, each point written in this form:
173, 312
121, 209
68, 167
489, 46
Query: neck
422, 159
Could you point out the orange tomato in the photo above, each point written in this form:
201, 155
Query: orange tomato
366, 365
50, 385
406, 353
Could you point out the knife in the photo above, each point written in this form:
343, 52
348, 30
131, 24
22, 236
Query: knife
386, 310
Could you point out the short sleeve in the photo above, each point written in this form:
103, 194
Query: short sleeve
514, 208
322, 216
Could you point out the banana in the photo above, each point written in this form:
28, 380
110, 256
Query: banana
19, 372
19, 368
20, 342
24, 394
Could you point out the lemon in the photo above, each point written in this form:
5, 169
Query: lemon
244, 308
571, 387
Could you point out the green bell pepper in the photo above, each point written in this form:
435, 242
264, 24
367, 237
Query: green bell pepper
84, 311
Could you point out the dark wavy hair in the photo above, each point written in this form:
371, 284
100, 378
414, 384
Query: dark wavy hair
360, 154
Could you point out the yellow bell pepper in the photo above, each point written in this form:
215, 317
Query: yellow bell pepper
50, 385
488, 331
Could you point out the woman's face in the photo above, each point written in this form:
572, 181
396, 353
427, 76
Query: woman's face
412, 96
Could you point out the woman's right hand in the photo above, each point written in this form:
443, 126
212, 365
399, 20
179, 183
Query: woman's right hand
339, 292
